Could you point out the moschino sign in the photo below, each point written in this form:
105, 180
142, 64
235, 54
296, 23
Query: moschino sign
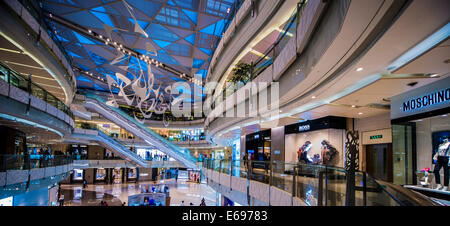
431, 97
437, 97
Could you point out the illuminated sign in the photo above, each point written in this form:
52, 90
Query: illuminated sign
432, 99
420, 102
6, 201
304, 127
376, 137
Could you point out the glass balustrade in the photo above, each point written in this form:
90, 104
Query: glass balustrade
319, 185
16, 79
26, 162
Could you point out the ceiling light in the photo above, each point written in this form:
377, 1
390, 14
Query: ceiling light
433, 75
444, 115
353, 106
89, 31
314, 97
360, 113
359, 69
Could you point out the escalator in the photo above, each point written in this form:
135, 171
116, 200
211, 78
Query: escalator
109, 143
128, 123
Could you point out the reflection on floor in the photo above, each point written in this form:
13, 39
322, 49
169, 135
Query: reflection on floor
116, 194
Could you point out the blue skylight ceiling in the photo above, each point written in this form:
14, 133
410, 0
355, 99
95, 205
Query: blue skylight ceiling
190, 39
172, 27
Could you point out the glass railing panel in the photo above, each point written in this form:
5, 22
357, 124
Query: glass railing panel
25, 162
334, 186
37, 92
259, 171
3, 73
377, 196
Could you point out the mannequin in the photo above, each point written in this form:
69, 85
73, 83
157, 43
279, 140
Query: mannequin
302, 154
328, 152
441, 157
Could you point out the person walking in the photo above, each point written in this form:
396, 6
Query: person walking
182, 203
61, 200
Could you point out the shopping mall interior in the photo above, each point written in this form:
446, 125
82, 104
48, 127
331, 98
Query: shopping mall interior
224, 103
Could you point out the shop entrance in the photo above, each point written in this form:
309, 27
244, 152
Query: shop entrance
379, 161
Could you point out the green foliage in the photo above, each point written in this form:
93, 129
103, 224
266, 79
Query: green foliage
85, 125
241, 73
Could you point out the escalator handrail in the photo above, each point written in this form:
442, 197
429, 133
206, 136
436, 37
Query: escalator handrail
117, 145
182, 152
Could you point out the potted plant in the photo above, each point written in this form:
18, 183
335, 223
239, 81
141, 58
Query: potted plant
242, 72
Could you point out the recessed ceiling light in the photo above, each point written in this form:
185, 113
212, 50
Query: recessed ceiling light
353, 106
433, 75
359, 69
314, 97
360, 113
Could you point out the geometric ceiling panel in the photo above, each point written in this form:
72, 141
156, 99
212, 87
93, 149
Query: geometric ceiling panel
179, 33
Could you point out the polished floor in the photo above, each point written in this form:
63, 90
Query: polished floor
116, 194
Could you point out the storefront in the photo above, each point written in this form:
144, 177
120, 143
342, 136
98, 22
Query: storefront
77, 176
420, 128
258, 145
100, 175
117, 174
316, 139
378, 156
132, 174
79, 151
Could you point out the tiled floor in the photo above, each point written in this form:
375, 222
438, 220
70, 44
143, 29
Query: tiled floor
116, 194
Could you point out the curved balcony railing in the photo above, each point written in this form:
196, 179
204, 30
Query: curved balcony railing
317, 185
25, 84
34, 10
269, 56
27, 162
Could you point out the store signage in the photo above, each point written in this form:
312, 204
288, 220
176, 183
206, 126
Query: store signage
431, 97
304, 127
417, 103
382, 136
376, 137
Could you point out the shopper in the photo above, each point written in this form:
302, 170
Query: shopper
61, 200
245, 158
182, 203
203, 202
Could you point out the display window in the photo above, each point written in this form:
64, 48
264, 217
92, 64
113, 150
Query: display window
78, 174
100, 174
194, 176
132, 173
117, 175
258, 146
421, 137
319, 141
